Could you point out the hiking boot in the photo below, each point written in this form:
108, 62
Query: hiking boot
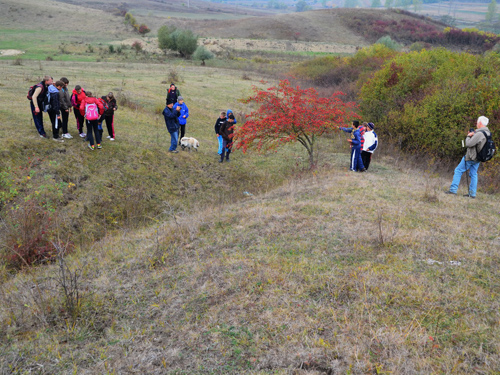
67, 136
450, 192
469, 196
60, 140
363, 170
99, 146
173, 151
91, 147
43, 136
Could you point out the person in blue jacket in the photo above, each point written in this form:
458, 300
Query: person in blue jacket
171, 116
184, 114
355, 141
230, 112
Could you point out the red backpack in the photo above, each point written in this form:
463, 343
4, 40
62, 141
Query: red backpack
32, 89
105, 104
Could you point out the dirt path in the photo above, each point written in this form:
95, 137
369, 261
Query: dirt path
217, 45
10, 52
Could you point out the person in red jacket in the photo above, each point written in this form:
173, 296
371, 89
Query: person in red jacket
76, 99
91, 108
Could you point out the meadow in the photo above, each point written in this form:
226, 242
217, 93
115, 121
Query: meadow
176, 264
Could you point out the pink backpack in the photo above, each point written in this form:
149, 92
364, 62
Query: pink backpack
91, 111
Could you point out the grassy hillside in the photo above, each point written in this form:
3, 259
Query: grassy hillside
334, 272
176, 264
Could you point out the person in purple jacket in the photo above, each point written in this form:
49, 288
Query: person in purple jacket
355, 141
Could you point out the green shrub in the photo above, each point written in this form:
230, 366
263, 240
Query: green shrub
426, 101
389, 43
182, 41
202, 54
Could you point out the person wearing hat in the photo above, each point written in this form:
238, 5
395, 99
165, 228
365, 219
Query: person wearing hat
184, 114
370, 144
226, 131
173, 93
171, 116
356, 164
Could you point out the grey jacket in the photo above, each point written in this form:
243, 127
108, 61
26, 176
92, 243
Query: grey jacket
64, 99
475, 143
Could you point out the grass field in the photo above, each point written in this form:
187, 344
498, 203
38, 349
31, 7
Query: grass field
177, 264
179, 271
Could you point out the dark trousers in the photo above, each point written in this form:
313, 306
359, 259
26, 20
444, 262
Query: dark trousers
110, 125
366, 157
64, 121
38, 120
79, 120
226, 149
92, 129
182, 131
53, 119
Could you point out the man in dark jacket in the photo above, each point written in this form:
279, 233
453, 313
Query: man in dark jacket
171, 116
226, 131
36, 104
220, 120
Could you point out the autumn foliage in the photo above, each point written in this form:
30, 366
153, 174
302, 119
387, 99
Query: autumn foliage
290, 114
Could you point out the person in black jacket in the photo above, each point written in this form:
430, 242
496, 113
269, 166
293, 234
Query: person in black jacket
226, 131
221, 119
173, 93
109, 115
54, 110
171, 116
36, 103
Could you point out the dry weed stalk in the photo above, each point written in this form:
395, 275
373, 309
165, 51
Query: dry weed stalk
69, 282
383, 236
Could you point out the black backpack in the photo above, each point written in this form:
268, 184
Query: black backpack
488, 149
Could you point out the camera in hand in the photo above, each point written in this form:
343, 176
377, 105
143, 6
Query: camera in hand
471, 130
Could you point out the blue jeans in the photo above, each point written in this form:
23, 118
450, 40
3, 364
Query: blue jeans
462, 167
38, 120
219, 139
174, 136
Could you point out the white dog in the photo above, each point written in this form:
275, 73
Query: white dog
188, 142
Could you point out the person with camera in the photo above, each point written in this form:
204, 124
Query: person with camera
475, 141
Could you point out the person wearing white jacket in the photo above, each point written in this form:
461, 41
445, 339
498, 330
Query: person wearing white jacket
370, 145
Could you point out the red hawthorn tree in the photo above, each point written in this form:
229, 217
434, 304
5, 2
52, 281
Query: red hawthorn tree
291, 114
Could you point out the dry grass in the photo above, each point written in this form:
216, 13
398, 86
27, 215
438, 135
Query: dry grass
333, 272
293, 281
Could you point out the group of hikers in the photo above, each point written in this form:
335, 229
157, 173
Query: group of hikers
479, 148
176, 113
54, 99
363, 142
